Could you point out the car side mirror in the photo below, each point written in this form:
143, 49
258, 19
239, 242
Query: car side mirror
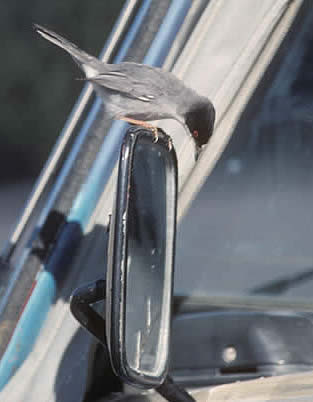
141, 260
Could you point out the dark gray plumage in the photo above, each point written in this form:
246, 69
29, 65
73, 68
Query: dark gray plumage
139, 93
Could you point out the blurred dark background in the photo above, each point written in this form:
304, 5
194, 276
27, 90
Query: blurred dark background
38, 86
38, 80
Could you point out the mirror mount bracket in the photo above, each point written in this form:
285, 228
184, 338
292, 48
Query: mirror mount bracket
80, 306
173, 392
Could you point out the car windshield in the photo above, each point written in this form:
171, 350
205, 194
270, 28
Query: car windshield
250, 229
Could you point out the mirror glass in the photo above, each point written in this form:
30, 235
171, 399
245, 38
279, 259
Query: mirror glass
150, 236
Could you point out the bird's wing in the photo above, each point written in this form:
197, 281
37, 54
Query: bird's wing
138, 81
123, 85
128, 87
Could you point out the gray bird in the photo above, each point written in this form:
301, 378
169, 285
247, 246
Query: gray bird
138, 93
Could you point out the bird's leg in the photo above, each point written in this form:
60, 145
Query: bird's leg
143, 124
170, 143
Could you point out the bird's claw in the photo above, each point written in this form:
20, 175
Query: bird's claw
169, 144
155, 135
167, 138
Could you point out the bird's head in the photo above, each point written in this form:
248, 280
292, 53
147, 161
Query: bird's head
200, 122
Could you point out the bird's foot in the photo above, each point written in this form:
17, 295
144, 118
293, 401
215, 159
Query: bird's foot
142, 124
169, 144
155, 133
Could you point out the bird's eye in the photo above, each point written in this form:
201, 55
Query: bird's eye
195, 133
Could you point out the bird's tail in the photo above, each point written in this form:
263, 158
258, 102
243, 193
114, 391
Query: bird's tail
82, 58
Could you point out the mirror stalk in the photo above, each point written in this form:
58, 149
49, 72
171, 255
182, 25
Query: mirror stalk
94, 292
173, 392
80, 302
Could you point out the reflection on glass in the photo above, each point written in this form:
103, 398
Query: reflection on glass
148, 279
253, 217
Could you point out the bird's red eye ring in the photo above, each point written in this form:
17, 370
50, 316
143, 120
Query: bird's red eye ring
195, 133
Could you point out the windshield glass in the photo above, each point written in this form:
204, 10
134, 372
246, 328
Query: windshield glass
250, 229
